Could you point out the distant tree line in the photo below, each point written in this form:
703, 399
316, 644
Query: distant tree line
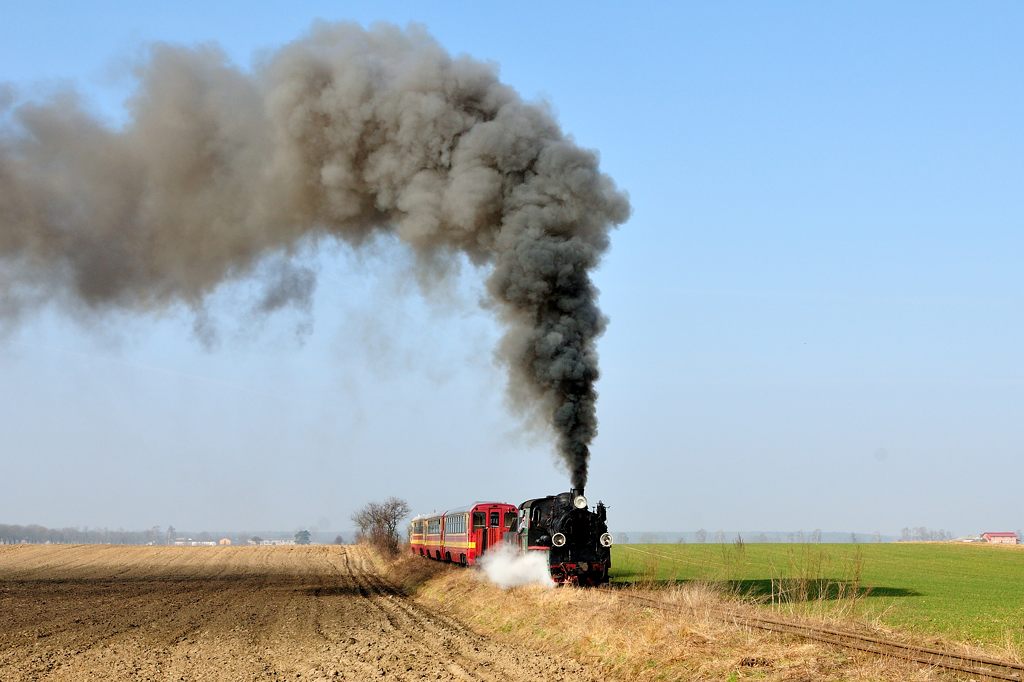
922, 534
34, 534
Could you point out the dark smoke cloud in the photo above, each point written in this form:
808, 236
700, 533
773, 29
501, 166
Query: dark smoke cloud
287, 285
341, 135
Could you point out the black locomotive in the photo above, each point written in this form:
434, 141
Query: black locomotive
575, 538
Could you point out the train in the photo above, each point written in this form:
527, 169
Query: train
461, 535
574, 537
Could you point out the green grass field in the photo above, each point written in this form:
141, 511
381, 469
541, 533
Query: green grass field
966, 592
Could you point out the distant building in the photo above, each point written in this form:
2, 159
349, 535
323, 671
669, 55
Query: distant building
224, 542
1000, 538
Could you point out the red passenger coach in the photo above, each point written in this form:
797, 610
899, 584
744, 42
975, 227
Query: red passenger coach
461, 535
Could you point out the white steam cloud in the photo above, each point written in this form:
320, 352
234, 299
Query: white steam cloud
508, 567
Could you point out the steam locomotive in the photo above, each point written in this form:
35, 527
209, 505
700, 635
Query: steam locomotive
574, 538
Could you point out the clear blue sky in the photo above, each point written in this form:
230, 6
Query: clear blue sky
815, 308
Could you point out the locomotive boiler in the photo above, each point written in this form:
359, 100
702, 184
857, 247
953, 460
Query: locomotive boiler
574, 537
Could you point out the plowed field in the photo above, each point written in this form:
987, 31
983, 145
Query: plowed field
234, 613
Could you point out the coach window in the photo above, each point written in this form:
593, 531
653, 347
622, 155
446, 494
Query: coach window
495, 519
510, 517
479, 520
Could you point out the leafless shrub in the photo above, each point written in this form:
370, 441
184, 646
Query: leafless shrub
377, 524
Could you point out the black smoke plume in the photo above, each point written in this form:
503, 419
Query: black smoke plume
340, 135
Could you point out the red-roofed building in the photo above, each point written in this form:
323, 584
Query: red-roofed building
1000, 538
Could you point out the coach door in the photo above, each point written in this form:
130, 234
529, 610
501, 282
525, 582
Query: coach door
494, 522
480, 530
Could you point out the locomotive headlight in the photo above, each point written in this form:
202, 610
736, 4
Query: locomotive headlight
606, 540
580, 502
558, 539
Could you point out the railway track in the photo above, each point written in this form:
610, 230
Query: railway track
979, 666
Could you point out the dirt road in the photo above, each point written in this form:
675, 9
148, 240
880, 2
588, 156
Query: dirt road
233, 613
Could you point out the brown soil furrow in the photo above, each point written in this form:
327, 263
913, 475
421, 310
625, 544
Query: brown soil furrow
418, 652
408, 656
166, 641
474, 655
82, 613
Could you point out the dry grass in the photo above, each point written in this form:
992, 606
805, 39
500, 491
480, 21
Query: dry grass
628, 641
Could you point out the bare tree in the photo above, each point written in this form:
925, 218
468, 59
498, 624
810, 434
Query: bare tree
924, 534
377, 523
702, 536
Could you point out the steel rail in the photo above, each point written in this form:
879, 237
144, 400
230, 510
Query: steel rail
981, 666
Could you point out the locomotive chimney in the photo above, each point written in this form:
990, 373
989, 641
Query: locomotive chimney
578, 500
